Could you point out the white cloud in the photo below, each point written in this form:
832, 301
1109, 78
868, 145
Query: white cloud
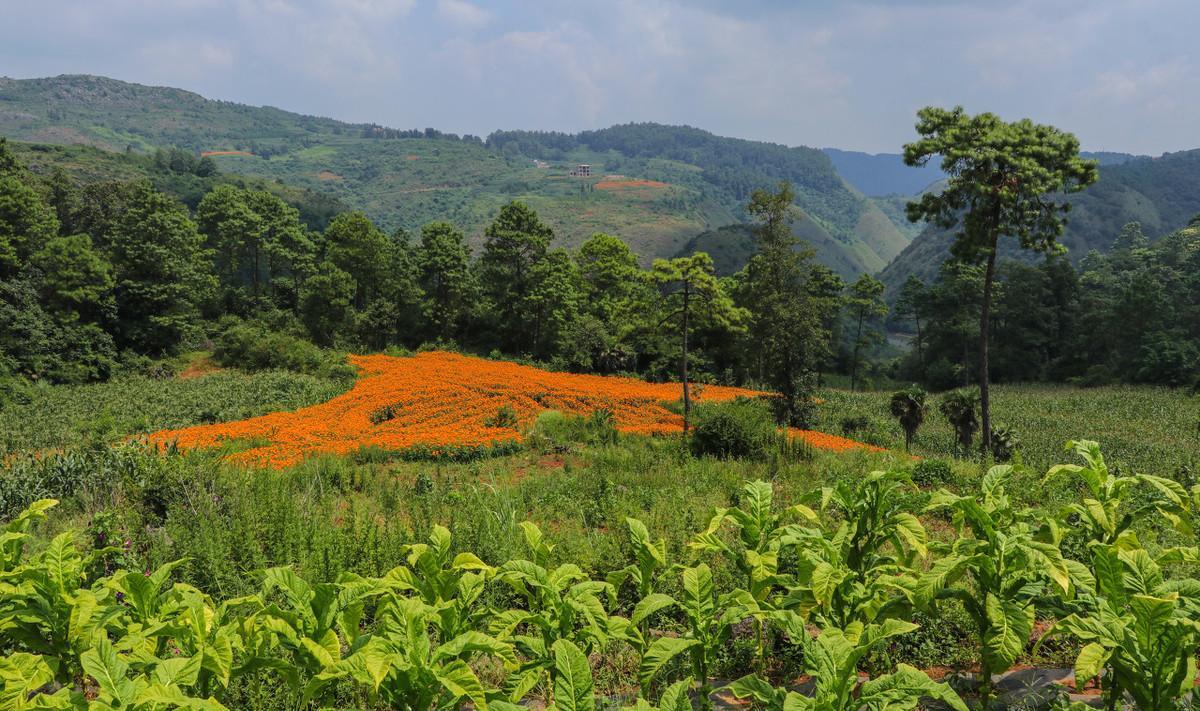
463, 14
849, 73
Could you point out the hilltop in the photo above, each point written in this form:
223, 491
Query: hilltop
655, 186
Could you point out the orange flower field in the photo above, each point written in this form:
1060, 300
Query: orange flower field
445, 399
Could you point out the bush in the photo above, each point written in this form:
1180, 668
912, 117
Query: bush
553, 430
932, 472
505, 417
853, 424
737, 429
252, 347
1005, 443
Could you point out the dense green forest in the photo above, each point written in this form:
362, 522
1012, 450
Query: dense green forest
105, 270
408, 178
1131, 315
98, 277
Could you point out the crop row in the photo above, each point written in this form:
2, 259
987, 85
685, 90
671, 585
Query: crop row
837, 576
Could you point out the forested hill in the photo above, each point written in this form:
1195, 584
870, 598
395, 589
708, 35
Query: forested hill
655, 186
1162, 193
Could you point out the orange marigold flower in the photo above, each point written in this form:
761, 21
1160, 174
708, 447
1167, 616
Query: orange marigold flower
446, 399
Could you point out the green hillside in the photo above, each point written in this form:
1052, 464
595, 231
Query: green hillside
87, 164
655, 186
1162, 193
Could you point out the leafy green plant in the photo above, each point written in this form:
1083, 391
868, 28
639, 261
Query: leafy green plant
1141, 630
560, 604
832, 660
449, 586
762, 533
1006, 562
862, 570
401, 666
1107, 515
710, 620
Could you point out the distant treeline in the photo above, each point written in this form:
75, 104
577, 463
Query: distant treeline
1131, 315
375, 131
95, 277
98, 277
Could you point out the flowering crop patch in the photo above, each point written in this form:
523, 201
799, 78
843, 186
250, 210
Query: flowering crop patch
448, 400
822, 440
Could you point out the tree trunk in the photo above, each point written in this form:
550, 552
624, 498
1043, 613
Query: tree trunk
857, 345
985, 444
683, 366
920, 347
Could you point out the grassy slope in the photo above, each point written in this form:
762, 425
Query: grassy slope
409, 182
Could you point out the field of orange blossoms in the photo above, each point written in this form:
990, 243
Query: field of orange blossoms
442, 399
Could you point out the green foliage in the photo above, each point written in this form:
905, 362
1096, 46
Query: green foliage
1140, 630
253, 347
742, 429
691, 293
1008, 559
555, 431
505, 417
160, 269
909, 408
64, 417
932, 472
1002, 179
1005, 443
959, 409
447, 626
790, 315
832, 659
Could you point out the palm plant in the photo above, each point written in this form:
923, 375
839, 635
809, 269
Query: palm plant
960, 407
909, 408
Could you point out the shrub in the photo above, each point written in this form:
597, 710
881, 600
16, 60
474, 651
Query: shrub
1005, 443
738, 429
553, 430
385, 413
252, 347
932, 472
505, 417
853, 424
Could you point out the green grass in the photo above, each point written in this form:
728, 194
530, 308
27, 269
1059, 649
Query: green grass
1151, 430
55, 417
333, 515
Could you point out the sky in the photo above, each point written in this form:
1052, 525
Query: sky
1123, 75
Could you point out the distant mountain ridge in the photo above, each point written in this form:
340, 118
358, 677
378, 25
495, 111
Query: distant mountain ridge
879, 174
655, 186
885, 174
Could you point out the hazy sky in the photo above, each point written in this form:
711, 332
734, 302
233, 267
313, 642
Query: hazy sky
1122, 74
